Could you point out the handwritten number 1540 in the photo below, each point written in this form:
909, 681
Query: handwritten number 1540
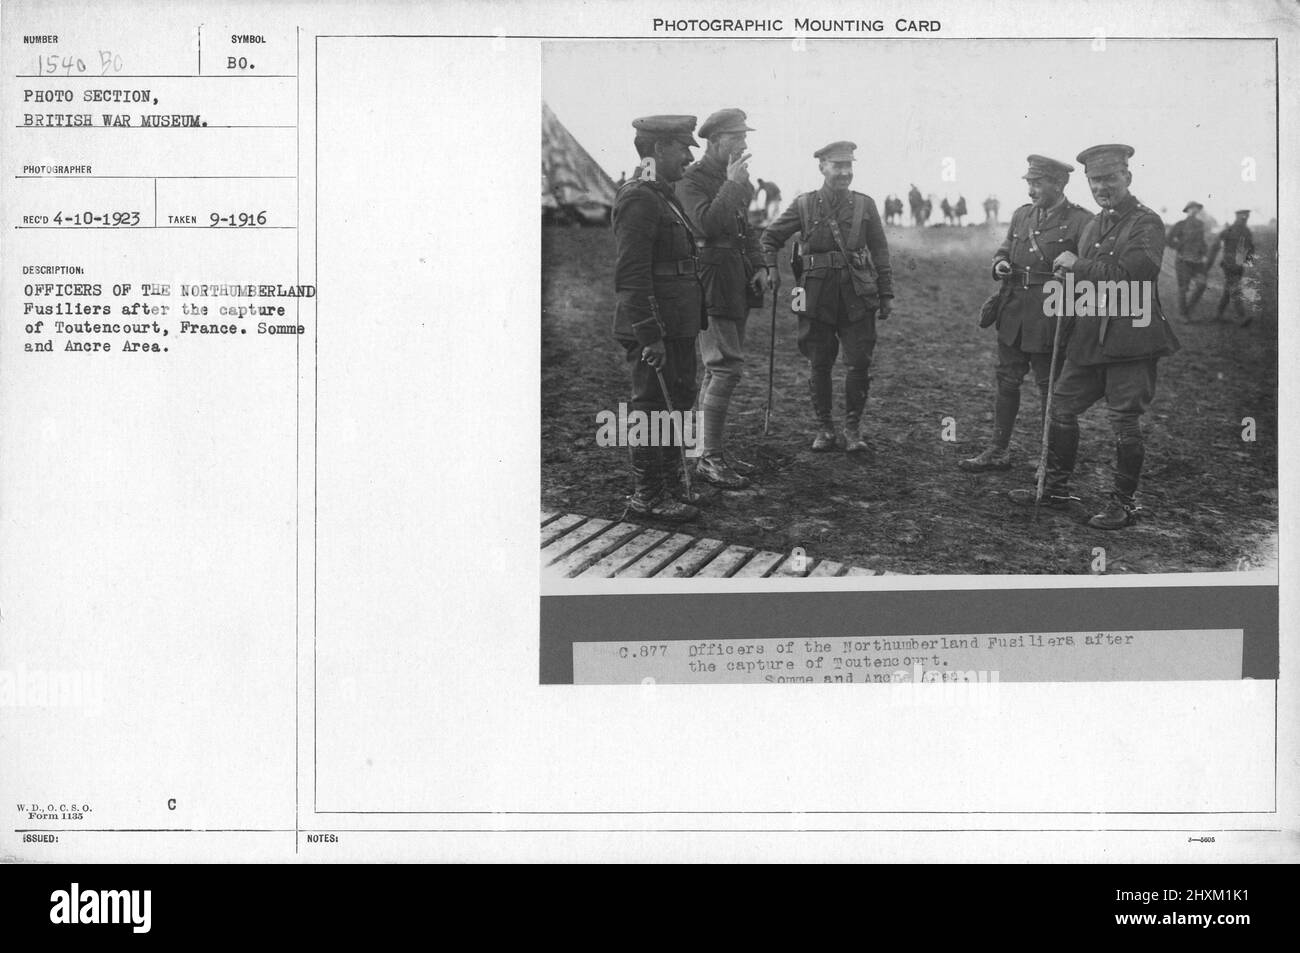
53, 64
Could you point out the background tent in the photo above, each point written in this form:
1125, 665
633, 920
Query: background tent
573, 185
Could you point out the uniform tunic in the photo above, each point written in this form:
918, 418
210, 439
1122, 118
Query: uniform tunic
1122, 244
658, 290
655, 258
1022, 323
829, 290
718, 210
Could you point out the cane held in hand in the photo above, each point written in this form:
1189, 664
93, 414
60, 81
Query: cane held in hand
1058, 273
771, 350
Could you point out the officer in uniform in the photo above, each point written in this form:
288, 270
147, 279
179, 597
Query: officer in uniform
716, 193
1238, 251
1109, 354
1041, 230
660, 303
1187, 239
847, 283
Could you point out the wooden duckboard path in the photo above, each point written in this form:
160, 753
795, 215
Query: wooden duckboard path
574, 545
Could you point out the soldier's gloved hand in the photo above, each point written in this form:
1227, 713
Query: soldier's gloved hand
738, 168
760, 281
885, 310
656, 355
1001, 268
1064, 261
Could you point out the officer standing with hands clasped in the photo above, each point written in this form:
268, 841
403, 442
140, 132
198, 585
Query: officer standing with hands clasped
1041, 230
846, 286
1113, 350
660, 304
716, 193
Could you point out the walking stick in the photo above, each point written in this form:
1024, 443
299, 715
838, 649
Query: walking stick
1047, 415
681, 443
771, 351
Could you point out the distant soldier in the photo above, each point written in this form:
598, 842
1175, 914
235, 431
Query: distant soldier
927, 209
660, 303
771, 194
715, 192
1238, 251
959, 210
991, 206
946, 207
1041, 230
847, 284
1187, 239
1111, 354
915, 203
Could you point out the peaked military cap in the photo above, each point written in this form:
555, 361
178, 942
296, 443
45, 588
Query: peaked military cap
1243, 211
841, 151
1103, 160
724, 120
1193, 205
667, 127
1040, 166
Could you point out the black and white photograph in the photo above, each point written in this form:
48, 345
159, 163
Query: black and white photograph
891, 305
899, 396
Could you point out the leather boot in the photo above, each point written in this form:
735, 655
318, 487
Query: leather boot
853, 439
714, 469
824, 440
1062, 449
1122, 509
674, 479
996, 456
992, 458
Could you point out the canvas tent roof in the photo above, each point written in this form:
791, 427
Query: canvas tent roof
569, 174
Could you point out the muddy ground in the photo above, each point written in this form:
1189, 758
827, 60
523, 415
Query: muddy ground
1209, 497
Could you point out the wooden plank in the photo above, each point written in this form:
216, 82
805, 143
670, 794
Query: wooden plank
572, 540
548, 515
634, 548
654, 560
860, 571
828, 567
762, 563
727, 562
592, 550
689, 562
787, 567
555, 530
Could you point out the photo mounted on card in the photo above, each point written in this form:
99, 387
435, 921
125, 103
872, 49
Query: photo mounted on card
856, 421
809, 315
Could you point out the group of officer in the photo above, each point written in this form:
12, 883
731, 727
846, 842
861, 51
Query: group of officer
689, 265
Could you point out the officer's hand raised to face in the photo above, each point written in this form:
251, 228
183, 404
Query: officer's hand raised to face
738, 168
656, 355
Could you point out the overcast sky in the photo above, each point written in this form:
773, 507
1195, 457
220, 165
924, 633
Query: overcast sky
1193, 110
